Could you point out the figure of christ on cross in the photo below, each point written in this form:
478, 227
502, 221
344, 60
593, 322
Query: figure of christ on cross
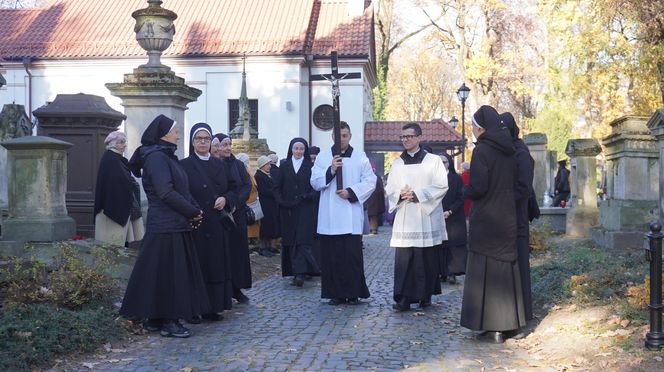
335, 77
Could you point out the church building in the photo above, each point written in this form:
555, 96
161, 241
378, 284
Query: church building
77, 46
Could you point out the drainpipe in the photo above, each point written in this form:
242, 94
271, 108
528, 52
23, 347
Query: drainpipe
26, 65
308, 59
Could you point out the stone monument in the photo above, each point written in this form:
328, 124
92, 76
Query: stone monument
152, 88
632, 184
656, 127
245, 138
536, 143
583, 212
83, 120
14, 123
37, 173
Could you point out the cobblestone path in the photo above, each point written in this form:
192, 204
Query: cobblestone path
289, 328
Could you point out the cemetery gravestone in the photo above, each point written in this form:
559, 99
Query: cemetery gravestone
583, 212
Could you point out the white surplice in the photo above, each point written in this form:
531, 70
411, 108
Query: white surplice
338, 216
418, 224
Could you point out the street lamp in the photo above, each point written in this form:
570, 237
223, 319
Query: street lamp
462, 94
453, 122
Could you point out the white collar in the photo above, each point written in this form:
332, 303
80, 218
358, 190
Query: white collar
206, 157
413, 153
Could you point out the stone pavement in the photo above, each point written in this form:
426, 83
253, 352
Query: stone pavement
288, 328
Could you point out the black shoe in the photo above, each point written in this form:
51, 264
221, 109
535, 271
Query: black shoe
265, 252
298, 281
240, 297
152, 325
173, 328
401, 305
196, 319
492, 337
425, 303
336, 301
451, 279
353, 301
215, 317
274, 250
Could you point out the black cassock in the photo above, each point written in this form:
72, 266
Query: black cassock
453, 251
298, 221
492, 296
523, 190
211, 239
269, 228
239, 241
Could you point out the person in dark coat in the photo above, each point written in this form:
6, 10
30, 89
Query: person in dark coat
492, 296
269, 229
117, 207
238, 239
561, 184
166, 283
315, 249
453, 251
296, 204
376, 205
523, 191
213, 190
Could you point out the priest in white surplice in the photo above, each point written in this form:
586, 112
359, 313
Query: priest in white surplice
340, 220
416, 186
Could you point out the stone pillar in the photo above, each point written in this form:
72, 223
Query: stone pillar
537, 145
583, 181
37, 173
153, 88
656, 127
632, 183
14, 123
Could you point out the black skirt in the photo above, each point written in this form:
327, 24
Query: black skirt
298, 260
416, 273
166, 281
492, 295
523, 250
342, 267
239, 254
452, 259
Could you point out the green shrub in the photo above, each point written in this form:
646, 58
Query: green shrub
32, 335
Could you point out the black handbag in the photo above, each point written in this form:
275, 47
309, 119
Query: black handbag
251, 216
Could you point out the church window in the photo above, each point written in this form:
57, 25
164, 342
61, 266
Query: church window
234, 111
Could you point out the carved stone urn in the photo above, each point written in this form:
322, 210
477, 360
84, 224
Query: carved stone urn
154, 32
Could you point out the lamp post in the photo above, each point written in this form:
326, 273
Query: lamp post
454, 122
462, 95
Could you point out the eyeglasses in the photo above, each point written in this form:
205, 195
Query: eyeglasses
202, 139
408, 136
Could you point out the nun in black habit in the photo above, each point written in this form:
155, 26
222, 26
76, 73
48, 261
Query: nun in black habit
296, 200
523, 190
238, 239
213, 190
492, 296
453, 251
166, 283
269, 226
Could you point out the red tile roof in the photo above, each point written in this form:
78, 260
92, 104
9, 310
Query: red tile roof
436, 130
96, 29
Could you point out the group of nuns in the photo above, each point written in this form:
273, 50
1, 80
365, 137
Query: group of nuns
192, 263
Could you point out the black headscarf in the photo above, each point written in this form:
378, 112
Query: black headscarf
488, 118
510, 123
313, 150
197, 127
450, 165
159, 127
306, 148
220, 137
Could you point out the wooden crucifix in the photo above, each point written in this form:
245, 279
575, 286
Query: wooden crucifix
335, 77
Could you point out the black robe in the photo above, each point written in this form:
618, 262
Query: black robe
298, 223
239, 241
453, 253
523, 191
166, 281
115, 189
269, 228
492, 297
210, 237
416, 269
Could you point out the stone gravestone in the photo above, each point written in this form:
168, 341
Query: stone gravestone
83, 120
37, 173
583, 212
536, 143
632, 183
656, 127
14, 123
